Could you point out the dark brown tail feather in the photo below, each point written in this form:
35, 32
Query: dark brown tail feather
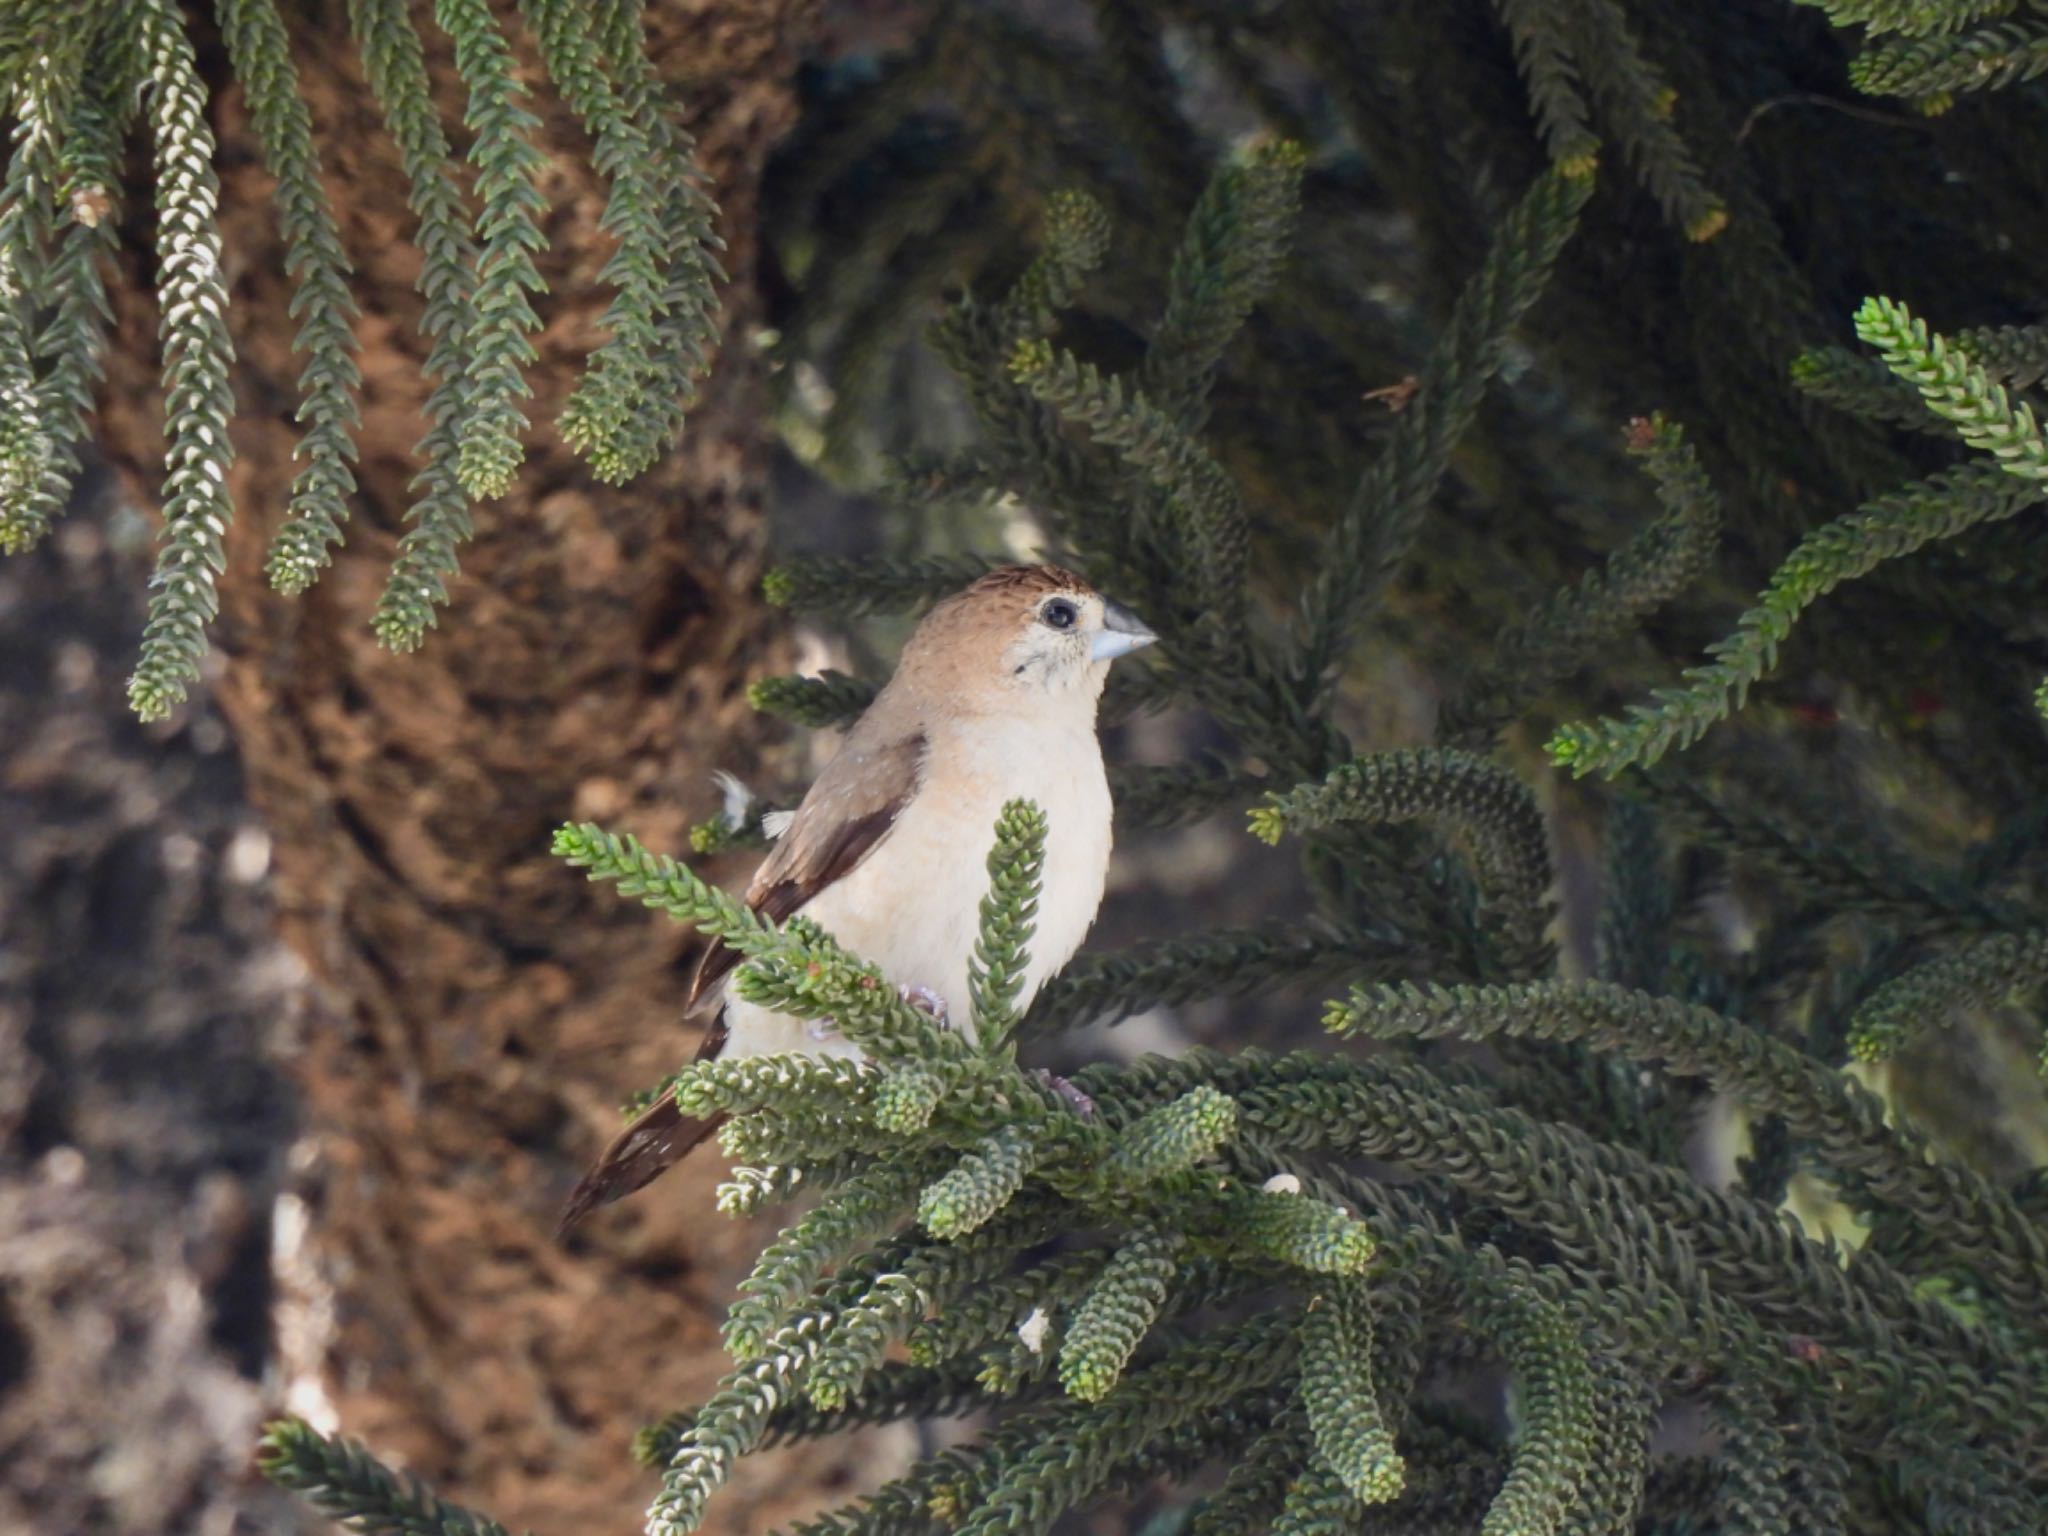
661, 1136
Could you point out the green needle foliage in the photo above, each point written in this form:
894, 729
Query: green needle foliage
1116, 1314
1460, 1269
1982, 413
198, 353
1351, 1433
1009, 912
506, 164
1975, 974
73, 79
341, 1480
260, 49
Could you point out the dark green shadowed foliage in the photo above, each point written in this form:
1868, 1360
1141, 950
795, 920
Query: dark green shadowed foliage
1492, 1261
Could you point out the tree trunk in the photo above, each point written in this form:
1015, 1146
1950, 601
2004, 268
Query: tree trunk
484, 1012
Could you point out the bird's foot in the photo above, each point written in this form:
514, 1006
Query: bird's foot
926, 1001
1083, 1105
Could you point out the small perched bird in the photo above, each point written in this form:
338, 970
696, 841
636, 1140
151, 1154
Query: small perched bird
994, 699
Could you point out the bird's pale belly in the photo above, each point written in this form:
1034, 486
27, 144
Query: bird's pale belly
914, 906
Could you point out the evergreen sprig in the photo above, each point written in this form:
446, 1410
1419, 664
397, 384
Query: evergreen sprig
1173, 1137
1232, 247
597, 421
1640, 103
832, 698
853, 588
1120, 1307
1649, 570
507, 165
1973, 974
394, 64
1956, 388
198, 353
260, 50
1930, 67
1553, 1452
1351, 1433
1913, 17
344, 1482
1544, 54
70, 168
1941, 506
687, 319
24, 446
1491, 810
1373, 533
1208, 516
1978, 1219
1009, 916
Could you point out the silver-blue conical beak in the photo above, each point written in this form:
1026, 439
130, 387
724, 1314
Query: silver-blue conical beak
1122, 632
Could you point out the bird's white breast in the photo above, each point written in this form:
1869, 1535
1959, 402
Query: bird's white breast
913, 906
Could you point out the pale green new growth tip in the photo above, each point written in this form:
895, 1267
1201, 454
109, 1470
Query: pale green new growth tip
1956, 388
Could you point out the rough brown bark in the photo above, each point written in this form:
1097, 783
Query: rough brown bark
485, 1011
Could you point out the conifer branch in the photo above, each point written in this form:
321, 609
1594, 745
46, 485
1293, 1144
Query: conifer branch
1862, 386
597, 419
850, 589
1009, 916
829, 699
507, 165
1169, 797
394, 63
1887, 528
1931, 67
260, 51
2015, 355
1082, 1445
198, 353
1639, 102
1544, 57
979, 1186
657, 881
1075, 239
346, 1483
1120, 1308
1973, 974
1258, 1481
1208, 518
1553, 1453
74, 170
1107, 987
686, 326
1489, 808
1376, 528
1173, 1137
1656, 565
1351, 1433
1956, 388
25, 449
1913, 17
1232, 247
1847, 1124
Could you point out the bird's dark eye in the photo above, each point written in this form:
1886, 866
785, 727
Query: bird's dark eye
1059, 614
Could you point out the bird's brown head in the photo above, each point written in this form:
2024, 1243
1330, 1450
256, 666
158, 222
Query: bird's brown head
1023, 635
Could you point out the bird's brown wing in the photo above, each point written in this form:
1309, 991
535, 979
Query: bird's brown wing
843, 819
848, 811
